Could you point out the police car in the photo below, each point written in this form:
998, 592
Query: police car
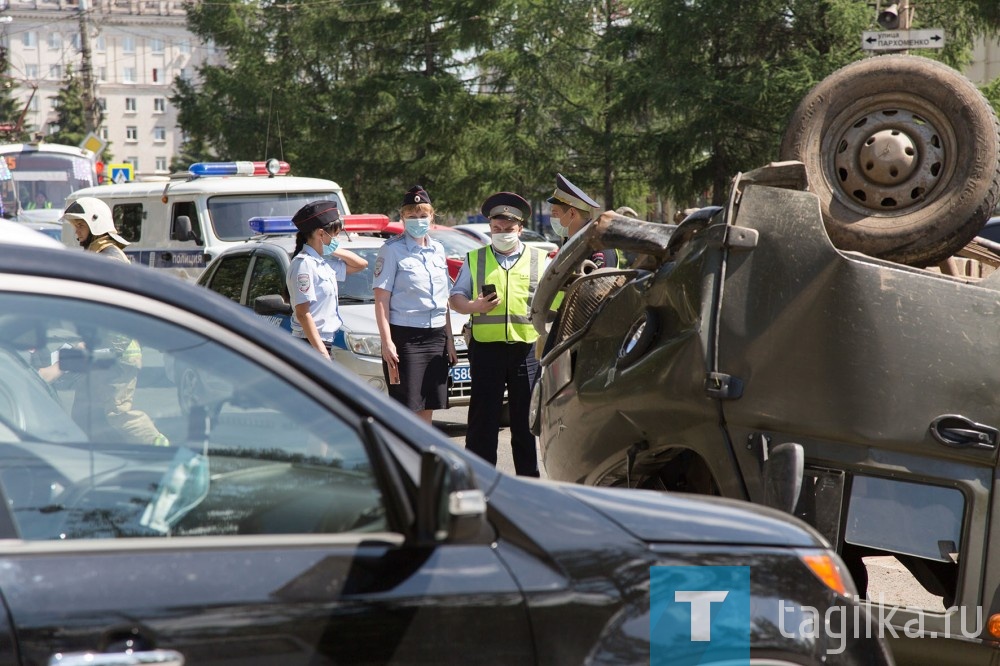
253, 273
179, 224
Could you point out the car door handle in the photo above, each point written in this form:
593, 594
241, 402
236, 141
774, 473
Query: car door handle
161, 657
960, 432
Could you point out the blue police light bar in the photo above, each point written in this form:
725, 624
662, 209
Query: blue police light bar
271, 167
272, 225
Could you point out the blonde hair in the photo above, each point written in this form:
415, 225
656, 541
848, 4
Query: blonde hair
417, 209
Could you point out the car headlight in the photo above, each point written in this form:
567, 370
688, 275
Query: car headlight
364, 345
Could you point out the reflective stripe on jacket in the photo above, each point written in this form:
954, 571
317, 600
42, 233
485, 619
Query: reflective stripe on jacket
510, 320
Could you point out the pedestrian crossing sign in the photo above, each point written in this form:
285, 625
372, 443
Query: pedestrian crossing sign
120, 172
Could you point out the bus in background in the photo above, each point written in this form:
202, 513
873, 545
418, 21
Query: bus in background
36, 178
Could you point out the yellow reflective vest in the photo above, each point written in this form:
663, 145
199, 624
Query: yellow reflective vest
510, 321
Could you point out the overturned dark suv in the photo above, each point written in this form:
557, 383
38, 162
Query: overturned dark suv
825, 343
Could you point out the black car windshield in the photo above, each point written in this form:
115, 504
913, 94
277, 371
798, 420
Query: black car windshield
230, 212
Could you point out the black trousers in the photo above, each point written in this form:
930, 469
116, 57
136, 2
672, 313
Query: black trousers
496, 366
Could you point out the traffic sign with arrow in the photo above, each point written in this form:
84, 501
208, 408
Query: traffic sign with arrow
899, 40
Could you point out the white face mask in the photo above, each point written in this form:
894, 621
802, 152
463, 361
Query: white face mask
558, 227
504, 242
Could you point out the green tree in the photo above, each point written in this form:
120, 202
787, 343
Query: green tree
557, 80
72, 126
369, 94
11, 109
468, 97
723, 75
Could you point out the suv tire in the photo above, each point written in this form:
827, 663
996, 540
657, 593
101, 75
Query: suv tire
904, 155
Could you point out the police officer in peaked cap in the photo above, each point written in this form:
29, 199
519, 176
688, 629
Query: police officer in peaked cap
495, 286
573, 209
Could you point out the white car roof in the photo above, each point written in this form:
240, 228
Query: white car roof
210, 185
15, 233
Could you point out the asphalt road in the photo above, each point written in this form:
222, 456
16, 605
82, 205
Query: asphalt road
453, 423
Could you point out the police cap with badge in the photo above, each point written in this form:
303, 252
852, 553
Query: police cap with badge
568, 194
416, 195
508, 206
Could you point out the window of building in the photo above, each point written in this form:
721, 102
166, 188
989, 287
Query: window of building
159, 133
131, 133
53, 128
161, 163
184, 46
128, 44
134, 161
102, 73
31, 71
159, 105
104, 133
103, 103
55, 71
156, 75
33, 106
55, 40
128, 75
185, 73
53, 102
100, 43
29, 39
130, 105
156, 45
75, 40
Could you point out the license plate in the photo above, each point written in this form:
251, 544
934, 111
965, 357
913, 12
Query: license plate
460, 373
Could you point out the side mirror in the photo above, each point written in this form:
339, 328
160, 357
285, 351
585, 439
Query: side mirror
449, 505
783, 471
272, 304
182, 230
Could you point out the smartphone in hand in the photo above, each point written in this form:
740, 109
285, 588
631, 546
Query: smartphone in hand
489, 290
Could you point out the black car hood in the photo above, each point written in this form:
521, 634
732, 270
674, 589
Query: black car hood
657, 517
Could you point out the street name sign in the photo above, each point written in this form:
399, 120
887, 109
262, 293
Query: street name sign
897, 40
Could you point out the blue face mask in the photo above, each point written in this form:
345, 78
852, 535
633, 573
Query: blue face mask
331, 247
417, 227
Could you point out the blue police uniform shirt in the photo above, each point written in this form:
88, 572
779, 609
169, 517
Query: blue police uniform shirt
313, 280
463, 283
416, 276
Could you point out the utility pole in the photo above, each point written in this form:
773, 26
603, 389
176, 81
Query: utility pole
91, 112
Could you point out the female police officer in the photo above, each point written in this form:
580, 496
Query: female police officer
317, 266
411, 309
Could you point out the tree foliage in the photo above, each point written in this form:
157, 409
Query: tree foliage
467, 97
11, 109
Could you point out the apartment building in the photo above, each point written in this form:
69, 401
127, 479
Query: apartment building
138, 48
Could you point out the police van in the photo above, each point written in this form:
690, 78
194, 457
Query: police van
179, 224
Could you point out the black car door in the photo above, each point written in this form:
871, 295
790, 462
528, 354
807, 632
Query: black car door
247, 523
